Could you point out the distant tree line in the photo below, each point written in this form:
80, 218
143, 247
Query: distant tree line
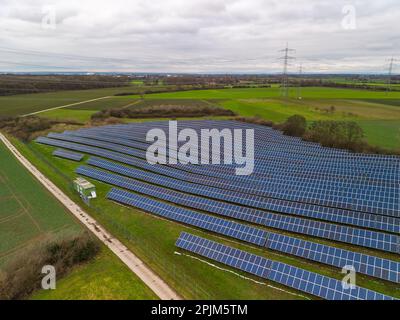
331, 84
24, 84
162, 111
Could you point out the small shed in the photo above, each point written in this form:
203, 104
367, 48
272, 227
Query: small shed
85, 188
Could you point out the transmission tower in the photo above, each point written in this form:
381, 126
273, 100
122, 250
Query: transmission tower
390, 73
300, 82
285, 77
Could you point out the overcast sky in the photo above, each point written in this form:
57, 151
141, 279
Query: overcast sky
198, 35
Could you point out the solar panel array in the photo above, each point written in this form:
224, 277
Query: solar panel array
351, 218
366, 199
366, 264
293, 277
361, 237
297, 187
68, 155
272, 220
217, 225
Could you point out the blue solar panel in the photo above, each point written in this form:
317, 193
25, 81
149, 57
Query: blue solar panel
224, 227
376, 240
329, 214
385, 204
380, 268
365, 199
370, 265
68, 155
293, 277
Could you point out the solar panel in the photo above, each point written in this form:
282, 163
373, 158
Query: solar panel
387, 208
217, 225
370, 265
68, 155
329, 214
335, 183
376, 240
293, 277
347, 198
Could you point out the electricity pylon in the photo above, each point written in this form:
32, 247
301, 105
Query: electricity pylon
389, 80
285, 78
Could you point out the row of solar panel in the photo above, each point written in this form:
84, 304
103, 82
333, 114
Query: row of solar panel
360, 237
222, 226
253, 201
387, 203
293, 277
268, 138
231, 124
121, 139
272, 151
266, 141
354, 218
127, 142
276, 135
68, 155
281, 173
322, 181
266, 132
299, 185
366, 264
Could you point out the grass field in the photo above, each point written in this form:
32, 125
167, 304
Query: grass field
377, 112
255, 93
104, 278
153, 240
27, 103
30, 214
69, 114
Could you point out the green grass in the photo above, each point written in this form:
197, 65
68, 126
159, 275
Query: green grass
82, 116
254, 93
28, 103
371, 109
153, 240
109, 103
352, 105
137, 82
384, 133
30, 212
104, 278
381, 123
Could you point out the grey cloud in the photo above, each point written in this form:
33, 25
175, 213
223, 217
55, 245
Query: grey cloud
202, 35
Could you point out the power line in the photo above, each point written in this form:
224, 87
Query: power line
285, 78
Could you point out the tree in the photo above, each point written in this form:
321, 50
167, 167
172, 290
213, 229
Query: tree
295, 126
